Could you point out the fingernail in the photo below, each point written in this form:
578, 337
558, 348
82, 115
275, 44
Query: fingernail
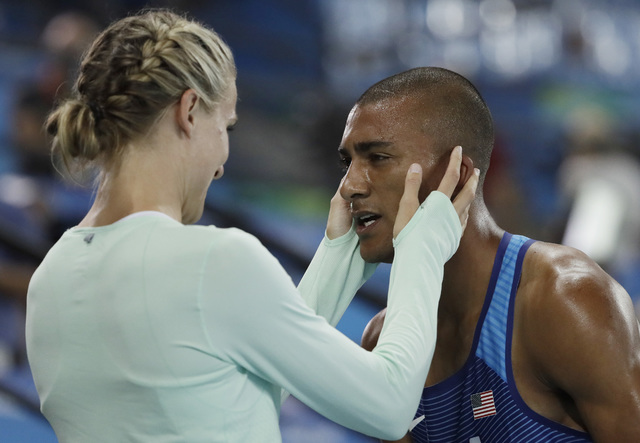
414, 168
459, 148
476, 171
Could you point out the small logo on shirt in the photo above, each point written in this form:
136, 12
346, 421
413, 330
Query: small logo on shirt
483, 405
87, 238
415, 422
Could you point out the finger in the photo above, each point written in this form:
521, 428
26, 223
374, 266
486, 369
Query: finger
464, 218
339, 221
452, 174
467, 194
409, 202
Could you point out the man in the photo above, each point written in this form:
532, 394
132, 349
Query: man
536, 343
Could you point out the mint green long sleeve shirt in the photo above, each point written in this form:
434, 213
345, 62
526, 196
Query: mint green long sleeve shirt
147, 330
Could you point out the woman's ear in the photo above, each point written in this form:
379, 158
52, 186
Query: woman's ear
186, 110
466, 171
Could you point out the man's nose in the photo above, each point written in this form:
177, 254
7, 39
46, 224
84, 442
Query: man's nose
355, 183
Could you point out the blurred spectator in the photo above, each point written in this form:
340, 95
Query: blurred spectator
29, 141
65, 37
600, 179
36, 204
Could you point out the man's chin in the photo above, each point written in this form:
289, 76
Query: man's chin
376, 256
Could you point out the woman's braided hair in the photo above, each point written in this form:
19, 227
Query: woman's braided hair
134, 70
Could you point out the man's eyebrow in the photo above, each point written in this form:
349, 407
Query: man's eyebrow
363, 147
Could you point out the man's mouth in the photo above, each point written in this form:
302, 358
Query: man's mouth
364, 221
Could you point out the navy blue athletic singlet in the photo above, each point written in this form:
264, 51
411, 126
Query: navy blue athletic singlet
480, 402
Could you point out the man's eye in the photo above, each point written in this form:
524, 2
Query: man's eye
344, 163
378, 157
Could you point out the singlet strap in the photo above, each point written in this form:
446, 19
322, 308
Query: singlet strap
492, 344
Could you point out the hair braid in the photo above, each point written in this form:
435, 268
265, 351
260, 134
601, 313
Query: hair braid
133, 72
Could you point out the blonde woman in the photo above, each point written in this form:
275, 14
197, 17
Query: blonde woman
144, 327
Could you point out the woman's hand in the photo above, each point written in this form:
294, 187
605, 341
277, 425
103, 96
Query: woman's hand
340, 219
409, 202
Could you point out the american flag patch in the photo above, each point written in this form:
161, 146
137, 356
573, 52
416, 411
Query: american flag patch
483, 405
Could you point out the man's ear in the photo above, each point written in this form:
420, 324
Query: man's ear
186, 110
466, 171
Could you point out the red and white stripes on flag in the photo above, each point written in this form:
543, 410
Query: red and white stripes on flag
483, 405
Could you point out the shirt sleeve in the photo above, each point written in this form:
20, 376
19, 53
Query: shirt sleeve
259, 321
334, 275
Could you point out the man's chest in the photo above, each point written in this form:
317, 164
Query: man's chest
455, 349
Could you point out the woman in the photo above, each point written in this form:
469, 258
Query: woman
141, 327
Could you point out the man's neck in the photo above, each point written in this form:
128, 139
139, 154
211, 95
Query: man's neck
467, 274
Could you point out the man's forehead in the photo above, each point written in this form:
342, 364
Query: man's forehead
397, 110
365, 132
386, 120
386, 104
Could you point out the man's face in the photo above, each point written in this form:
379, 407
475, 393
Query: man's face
381, 140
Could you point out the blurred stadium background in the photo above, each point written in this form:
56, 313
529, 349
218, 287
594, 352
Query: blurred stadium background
562, 78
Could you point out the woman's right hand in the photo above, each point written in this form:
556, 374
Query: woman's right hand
340, 218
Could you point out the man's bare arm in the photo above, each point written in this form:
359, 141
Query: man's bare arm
586, 337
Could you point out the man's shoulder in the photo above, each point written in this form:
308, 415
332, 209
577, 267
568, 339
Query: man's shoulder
562, 289
553, 270
372, 331
576, 334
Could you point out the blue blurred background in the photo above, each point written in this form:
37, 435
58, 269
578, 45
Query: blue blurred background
562, 78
